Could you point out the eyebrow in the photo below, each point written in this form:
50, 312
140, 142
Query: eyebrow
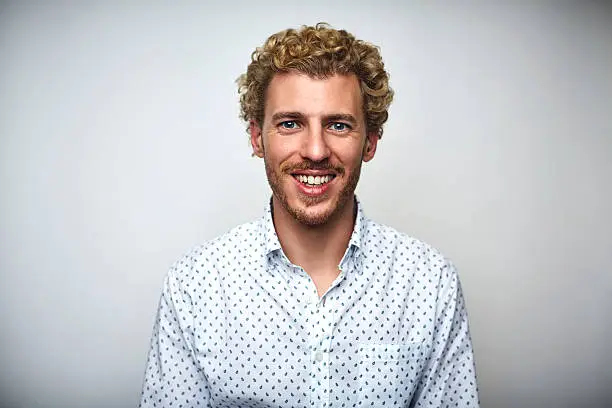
327, 118
286, 115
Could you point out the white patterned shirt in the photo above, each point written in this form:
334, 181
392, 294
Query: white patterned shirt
239, 325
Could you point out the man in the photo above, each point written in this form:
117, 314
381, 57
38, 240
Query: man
314, 304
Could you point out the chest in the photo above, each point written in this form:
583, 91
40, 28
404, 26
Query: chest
279, 344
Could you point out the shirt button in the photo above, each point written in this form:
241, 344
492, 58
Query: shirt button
318, 356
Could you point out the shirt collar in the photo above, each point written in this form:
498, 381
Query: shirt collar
268, 233
271, 242
358, 235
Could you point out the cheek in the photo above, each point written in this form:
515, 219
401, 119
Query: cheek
280, 147
351, 156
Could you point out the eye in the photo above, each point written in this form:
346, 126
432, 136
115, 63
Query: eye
339, 126
289, 124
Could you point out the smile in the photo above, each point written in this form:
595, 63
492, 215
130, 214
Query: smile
314, 180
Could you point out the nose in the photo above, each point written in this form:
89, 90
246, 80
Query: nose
315, 146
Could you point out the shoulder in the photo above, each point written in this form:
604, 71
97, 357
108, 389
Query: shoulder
407, 250
209, 257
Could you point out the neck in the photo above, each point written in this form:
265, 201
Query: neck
328, 241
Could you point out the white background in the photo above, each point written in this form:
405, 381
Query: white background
121, 149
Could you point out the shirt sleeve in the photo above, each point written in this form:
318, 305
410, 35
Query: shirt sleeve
449, 379
172, 375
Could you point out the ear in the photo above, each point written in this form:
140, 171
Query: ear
370, 146
256, 139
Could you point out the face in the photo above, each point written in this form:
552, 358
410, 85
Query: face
313, 140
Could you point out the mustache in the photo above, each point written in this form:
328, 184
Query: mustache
311, 165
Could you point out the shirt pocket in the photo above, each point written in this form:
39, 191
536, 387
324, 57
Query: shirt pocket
389, 373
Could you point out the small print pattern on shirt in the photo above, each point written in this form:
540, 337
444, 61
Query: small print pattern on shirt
239, 325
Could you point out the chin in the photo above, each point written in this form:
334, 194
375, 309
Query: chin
311, 218
313, 212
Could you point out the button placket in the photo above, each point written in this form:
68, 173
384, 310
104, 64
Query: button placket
321, 355
317, 391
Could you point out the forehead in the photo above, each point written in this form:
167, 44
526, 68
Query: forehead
296, 92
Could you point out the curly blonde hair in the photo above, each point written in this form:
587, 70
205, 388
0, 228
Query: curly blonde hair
319, 52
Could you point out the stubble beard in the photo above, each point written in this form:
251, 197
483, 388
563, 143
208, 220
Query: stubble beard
276, 178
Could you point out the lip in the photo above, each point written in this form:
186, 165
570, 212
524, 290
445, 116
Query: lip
313, 173
313, 191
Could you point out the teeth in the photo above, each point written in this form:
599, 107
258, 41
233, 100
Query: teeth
314, 180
